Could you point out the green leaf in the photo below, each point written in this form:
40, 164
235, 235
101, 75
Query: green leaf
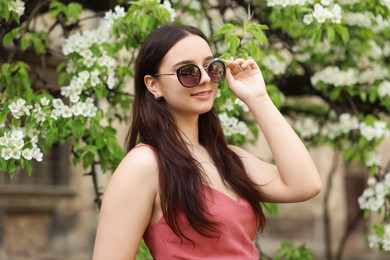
257, 31
89, 148
317, 35
363, 96
88, 160
73, 10
272, 208
11, 167
25, 43
227, 28
38, 45
29, 168
10, 36
343, 32
56, 7
78, 128
330, 33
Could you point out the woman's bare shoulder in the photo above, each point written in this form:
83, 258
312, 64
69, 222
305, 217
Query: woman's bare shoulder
138, 167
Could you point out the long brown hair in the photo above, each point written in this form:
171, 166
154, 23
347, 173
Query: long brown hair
180, 175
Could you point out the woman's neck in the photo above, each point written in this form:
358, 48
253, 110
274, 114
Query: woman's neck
189, 129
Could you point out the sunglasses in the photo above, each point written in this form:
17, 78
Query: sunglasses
189, 75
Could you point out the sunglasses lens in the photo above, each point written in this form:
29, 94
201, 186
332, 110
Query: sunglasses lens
216, 71
189, 75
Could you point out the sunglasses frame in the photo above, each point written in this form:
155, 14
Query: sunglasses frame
200, 73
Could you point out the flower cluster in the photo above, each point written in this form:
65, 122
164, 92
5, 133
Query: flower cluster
168, 6
336, 77
275, 65
85, 109
307, 127
384, 89
386, 3
376, 131
231, 125
324, 12
376, 240
374, 198
19, 108
373, 159
231, 105
375, 195
110, 16
16, 6
285, 3
380, 24
348, 2
14, 145
358, 19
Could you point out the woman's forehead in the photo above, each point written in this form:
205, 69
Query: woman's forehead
191, 48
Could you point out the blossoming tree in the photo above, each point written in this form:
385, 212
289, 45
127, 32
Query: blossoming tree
326, 63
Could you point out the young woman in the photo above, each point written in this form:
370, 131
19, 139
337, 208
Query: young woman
180, 186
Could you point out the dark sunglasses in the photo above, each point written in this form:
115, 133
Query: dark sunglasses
189, 75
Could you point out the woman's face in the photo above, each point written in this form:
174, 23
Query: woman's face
187, 101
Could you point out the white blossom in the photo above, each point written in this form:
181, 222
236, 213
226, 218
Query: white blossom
384, 89
386, 3
16, 143
6, 153
45, 101
228, 105
376, 131
111, 16
66, 112
307, 127
370, 75
241, 104
4, 140
380, 24
373, 241
334, 76
348, 123
308, 18
58, 103
111, 80
375, 52
40, 116
95, 80
19, 108
34, 139
16, 134
231, 125
168, 6
37, 154
285, 3
373, 159
273, 64
16, 6
374, 197
27, 154
15, 154
348, 2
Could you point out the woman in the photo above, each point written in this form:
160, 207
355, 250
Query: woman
181, 187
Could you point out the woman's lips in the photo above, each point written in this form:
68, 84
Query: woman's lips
202, 94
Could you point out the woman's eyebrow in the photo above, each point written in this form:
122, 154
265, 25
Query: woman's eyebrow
183, 62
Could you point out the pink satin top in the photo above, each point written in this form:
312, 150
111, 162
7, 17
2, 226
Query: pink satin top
238, 230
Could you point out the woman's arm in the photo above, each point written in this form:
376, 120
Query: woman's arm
295, 177
127, 206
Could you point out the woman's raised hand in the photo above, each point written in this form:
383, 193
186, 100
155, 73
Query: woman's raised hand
245, 79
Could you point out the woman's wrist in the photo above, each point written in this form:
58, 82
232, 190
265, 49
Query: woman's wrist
261, 100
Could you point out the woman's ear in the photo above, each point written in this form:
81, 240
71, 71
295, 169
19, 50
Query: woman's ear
152, 85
